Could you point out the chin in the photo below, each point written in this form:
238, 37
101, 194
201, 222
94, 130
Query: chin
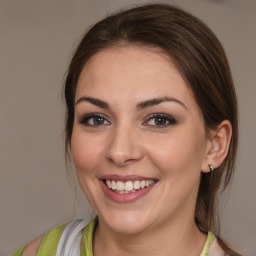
127, 223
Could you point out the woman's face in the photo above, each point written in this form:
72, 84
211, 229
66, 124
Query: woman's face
138, 142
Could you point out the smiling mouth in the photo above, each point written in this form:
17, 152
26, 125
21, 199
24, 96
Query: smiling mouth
128, 186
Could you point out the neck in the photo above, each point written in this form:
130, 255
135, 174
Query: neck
167, 238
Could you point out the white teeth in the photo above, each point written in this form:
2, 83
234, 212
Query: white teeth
119, 185
113, 184
136, 184
128, 186
108, 182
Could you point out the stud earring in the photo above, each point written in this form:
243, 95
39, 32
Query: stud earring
211, 167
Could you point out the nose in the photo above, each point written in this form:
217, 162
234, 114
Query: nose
124, 146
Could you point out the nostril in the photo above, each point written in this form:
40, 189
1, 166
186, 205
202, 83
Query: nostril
120, 160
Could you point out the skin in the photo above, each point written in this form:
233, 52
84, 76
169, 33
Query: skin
33, 247
130, 142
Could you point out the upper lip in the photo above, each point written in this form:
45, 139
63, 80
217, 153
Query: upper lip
124, 178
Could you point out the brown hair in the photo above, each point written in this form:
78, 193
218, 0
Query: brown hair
201, 60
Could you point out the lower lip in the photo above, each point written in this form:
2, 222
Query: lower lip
125, 197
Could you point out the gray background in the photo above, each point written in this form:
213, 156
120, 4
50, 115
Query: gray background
36, 42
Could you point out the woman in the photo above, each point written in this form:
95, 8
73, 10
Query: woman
152, 127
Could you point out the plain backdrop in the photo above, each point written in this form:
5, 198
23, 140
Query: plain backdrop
36, 43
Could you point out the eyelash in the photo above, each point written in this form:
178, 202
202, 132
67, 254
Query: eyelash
162, 116
84, 120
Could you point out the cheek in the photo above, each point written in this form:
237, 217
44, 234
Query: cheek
177, 155
85, 152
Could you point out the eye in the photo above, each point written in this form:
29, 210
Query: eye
162, 120
94, 120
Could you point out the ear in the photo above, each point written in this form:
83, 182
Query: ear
217, 146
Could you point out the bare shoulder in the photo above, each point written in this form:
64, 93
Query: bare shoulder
32, 248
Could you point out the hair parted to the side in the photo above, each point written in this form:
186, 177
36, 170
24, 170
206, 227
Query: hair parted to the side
200, 58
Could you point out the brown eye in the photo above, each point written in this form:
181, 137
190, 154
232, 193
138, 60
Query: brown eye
94, 120
160, 120
97, 121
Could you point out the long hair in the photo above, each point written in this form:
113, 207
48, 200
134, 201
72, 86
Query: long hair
201, 60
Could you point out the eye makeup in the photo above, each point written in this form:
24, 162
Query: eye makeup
93, 119
160, 120
156, 120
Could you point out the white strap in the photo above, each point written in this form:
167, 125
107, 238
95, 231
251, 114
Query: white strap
70, 241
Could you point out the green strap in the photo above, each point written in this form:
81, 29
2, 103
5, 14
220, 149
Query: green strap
208, 244
19, 252
49, 244
86, 244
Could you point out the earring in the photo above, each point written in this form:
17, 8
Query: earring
211, 167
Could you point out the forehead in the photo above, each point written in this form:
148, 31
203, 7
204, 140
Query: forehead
132, 73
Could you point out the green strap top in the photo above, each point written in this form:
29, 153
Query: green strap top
208, 244
49, 244
86, 244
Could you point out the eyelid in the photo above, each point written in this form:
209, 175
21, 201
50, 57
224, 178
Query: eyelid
169, 118
82, 120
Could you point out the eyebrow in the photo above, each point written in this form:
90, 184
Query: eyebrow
156, 101
94, 101
139, 106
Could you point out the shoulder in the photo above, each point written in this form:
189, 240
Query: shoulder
32, 248
217, 249
56, 238
43, 245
